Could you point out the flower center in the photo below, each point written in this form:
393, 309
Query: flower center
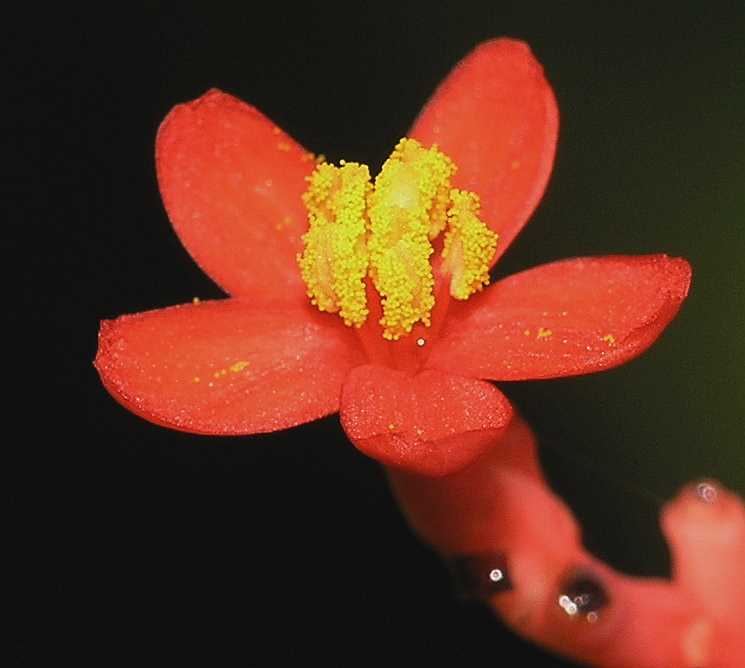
384, 232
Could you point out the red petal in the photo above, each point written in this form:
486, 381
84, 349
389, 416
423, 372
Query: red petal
222, 367
563, 319
496, 116
232, 184
432, 423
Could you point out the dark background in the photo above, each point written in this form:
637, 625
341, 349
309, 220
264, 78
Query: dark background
143, 543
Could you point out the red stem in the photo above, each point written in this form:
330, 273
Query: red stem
518, 547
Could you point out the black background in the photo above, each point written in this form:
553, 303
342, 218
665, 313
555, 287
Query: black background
141, 543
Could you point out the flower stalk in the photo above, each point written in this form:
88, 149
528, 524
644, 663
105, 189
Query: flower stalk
516, 546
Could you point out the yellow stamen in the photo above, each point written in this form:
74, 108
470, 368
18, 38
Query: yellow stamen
334, 262
385, 232
405, 210
469, 245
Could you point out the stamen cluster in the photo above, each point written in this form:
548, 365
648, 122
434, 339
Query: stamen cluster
385, 231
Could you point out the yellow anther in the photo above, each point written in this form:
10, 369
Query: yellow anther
385, 232
334, 262
432, 171
403, 277
469, 245
544, 333
406, 209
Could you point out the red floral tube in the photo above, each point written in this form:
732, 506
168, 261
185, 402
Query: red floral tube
513, 544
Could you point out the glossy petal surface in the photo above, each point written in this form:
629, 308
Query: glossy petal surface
222, 367
232, 183
495, 115
432, 423
562, 319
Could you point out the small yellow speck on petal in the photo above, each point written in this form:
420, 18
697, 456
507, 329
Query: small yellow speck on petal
284, 223
527, 332
283, 146
276, 130
196, 301
391, 426
543, 333
421, 341
238, 366
196, 379
609, 339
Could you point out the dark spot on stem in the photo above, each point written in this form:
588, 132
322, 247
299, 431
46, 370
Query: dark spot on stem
480, 576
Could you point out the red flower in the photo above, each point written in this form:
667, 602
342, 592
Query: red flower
266, 359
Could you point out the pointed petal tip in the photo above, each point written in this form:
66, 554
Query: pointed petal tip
213, 100
681, 274
213, 97
671, 275
517, 50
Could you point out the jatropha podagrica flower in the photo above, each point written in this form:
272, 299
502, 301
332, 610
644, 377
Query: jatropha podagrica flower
369, 296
